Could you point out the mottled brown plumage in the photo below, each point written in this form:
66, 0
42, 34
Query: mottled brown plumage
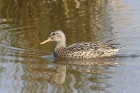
79, 50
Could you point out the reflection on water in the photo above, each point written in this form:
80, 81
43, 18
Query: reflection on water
25, 68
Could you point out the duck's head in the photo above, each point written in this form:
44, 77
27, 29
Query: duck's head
57, 36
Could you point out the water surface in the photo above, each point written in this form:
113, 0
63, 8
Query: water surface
27, 67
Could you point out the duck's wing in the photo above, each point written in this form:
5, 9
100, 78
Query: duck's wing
90, 46
84, 47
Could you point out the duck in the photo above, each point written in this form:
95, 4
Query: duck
79, 50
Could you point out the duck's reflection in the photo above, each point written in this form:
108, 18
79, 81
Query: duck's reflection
62, 74
59, 76
87, 66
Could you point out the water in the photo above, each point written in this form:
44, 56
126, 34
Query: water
27, 67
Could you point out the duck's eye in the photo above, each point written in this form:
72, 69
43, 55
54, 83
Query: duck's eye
53, 34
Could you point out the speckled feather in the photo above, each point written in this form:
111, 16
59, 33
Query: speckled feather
79, 50
86, 50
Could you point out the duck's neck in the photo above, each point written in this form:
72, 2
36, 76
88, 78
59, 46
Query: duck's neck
60, 44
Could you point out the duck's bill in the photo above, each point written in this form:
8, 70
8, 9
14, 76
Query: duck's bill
48, 40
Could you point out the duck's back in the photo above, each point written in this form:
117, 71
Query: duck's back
86, 50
